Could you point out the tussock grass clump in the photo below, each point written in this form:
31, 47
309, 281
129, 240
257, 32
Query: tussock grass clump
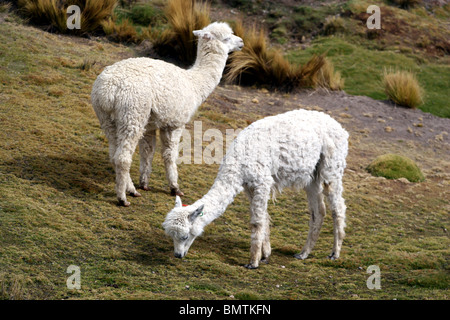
260, 64
333, 25
145, 14
178, 41
87, 64
329, 78
403, 88
52, 13
123, 32
44, 12
394, 166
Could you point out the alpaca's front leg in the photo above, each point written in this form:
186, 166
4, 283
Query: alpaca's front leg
257, 238
259, 222
170, 140
338, 209
147, 146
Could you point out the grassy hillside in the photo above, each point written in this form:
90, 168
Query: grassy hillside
58, 203
413, 37
363, 68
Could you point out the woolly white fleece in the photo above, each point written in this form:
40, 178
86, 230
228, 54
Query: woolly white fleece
300, 149
135, 97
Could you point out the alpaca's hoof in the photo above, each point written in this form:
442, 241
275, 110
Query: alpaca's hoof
135, 194
301, 256
333, 256
176, 192
250, 266
124, 203
145, 188
265, 261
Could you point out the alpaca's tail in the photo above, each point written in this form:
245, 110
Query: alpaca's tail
332, 163
103, 95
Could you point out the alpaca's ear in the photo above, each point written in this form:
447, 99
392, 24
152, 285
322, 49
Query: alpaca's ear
203, 34
178, 203
196, 213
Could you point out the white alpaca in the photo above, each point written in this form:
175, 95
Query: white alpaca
301, 149
135, 97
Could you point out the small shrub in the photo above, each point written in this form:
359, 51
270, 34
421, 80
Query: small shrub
308, 19
94, 12
145, 14
329, 78
423, 41
127, 3
333, 25
178, 41
280, 33
245, 295
5, 7
123, 32
393, 166
87, 64
259, 64
44, 12
403, 88
372, 34
52, 13
406, 4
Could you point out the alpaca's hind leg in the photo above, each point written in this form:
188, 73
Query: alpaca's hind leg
170, 140
334, 191
109, 127
126, 146
260, 246
110, 130
266, 248
147, 146
317, 212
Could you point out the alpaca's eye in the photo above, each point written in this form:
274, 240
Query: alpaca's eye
184, 238
227, 39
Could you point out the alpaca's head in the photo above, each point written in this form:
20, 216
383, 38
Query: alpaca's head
179, 225
222, 35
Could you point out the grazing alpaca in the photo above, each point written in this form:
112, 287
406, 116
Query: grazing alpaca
135, 97
300, 149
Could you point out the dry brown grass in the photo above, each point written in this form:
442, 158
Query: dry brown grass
333, 25
260, 64
123, 32
403, 88
52, 13
58, 203
178, 41
329, 78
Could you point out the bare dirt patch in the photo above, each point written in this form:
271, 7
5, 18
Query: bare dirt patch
375, 127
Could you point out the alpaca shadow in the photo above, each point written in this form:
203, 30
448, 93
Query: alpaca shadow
66, 173
158, 190
75, 175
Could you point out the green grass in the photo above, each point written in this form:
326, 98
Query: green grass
59, 207
362, 68
394, 166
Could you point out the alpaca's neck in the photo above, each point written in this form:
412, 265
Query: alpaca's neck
225, 188
208, 68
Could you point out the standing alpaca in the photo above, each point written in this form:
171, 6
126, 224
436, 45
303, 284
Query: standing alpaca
135, 97
301, 149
